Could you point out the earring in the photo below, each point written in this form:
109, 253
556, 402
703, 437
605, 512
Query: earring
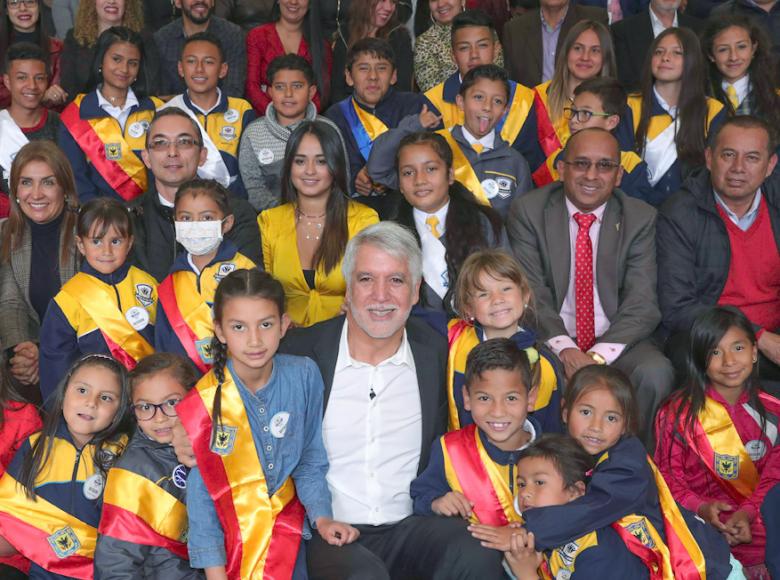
18, 201
755, 359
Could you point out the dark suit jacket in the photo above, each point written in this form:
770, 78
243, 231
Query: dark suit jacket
523, 41
429, 349
628, 7
625, 262
632, 37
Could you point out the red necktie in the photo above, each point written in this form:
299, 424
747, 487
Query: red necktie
583, 283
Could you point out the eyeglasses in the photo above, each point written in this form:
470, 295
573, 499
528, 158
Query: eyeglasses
16, 3
582, 115
602, 165
147, 411
180, 143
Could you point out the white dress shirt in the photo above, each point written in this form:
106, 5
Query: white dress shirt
373, 435
746, 220
487, 142
610, 351
119, 113
658, 26
742, 86
421, 216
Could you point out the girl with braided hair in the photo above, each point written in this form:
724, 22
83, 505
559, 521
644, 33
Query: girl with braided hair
255, 422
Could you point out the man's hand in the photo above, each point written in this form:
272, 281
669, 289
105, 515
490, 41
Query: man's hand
24, 363
769, 345
738, 528
452, 503
183, 446
574, 359
495, 538
336, 533
522, 557
363, 183
429, 119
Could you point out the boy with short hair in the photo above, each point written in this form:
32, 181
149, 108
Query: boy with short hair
374, 107
471, 472
473, 44
482, 161
261, 154
599, 102
222, 119
26, 76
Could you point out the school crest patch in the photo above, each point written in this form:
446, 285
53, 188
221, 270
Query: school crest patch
640, 531
568, 553
504, 187
64, 542
727, 466
224, 270
113, 151
143, 293
204, 350
224, 440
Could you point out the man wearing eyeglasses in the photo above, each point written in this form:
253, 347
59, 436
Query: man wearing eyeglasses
174, 151
589, 252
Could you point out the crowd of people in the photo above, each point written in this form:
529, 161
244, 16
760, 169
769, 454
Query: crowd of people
372, 289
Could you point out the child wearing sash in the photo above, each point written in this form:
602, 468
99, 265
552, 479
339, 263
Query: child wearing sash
222, 119
103, 132
483, 162
586, 53
717, 436
600, 102
493, 297
669, 121
51, 494
255, 422
184, 324
143, 526
471, 471
374, 107
108, 307
553, 471
473, 44
626, 489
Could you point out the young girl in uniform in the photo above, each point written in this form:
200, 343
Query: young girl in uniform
255, 422
203, 217
51, 494
445, 216
493, 297
717, 436
669, 120
109, 307
143, 527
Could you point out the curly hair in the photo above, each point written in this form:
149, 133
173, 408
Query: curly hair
85, 28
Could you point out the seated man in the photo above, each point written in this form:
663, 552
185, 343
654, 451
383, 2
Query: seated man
719, 242
589, 252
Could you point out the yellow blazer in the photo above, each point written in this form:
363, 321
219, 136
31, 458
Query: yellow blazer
280, 256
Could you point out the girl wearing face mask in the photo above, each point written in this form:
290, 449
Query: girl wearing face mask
184, 322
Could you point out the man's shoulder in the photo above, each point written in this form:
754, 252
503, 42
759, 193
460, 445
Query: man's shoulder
420, 332
582, 12
632, 24
534, 201
301, 341
171, 30
227, 31
524, 21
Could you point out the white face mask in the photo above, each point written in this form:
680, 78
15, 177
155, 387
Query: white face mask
199, 238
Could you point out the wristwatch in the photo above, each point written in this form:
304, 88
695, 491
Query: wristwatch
600, 360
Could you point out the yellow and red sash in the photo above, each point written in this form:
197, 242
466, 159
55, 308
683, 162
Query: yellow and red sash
262, 533
137, 510
464, 172
553, 134
98, 300
108, 149
471, 471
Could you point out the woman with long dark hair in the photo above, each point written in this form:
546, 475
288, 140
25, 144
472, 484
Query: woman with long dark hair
304, 239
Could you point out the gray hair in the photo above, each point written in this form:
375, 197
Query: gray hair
391, 238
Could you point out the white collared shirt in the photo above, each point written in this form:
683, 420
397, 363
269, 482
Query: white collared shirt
610, 351
658, 26
119, 113
201, 111
664, 105
742, 86
373, 443
487, 142
746, 220
164, 202
421, 216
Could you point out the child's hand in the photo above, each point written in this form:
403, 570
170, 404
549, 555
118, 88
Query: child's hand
522, 557
495, 538
429, 119
738, 528
336, 533
710, 513
452, 503
363, 183
182, 445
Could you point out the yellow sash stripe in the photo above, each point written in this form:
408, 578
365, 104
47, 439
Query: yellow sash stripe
451, 115
560, 125
165, 514
560, 560
59, 468
464, 172
629, 160
517, 113
456, 363
193, 307
660, 122
372, 124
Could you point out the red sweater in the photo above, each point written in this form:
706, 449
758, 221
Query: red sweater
692, 483
262, 46
753, 283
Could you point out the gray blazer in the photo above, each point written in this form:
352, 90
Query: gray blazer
625, 263
19, 321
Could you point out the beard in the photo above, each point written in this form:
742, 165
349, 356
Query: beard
197, 19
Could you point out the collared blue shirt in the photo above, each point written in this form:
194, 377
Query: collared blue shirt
746, 220
550, 36
286, 449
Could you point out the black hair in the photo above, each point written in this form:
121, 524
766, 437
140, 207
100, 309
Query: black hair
290, 62
204, 36
498, 353
43, 34
25, 51
105, 41
180, 368
35, 461
376, 47
471, 18
605, 377
747, 122
209, 187
175, 112
609, 91
490, 72
9, 394
571, 461
335, 233
102, 213
238, 284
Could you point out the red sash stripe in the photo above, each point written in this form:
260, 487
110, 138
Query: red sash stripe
124, 525
120, 354
548, 139
285, 540
651, 559
166, 295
